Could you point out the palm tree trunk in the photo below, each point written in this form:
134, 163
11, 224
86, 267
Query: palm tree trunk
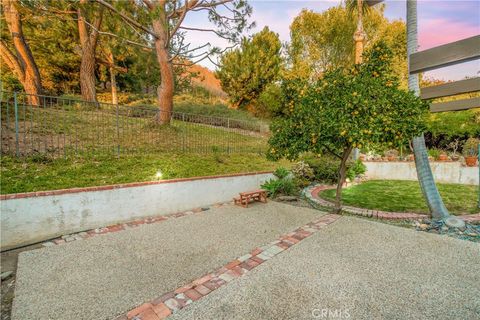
424, 171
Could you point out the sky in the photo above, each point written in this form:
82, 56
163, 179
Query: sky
439, 22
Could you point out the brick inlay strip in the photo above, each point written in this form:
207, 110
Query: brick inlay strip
127, 225
173, 301
312, 193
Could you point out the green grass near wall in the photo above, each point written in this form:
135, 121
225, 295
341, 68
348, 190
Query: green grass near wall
39, 174
406, 196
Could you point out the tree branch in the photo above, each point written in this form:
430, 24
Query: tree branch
205, 30
11, 60
127, 18
180, 20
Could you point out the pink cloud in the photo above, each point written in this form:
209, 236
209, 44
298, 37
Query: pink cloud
438, 31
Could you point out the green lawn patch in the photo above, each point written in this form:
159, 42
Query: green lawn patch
38, 174
406, 196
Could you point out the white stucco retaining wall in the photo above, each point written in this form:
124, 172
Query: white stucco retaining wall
33, 217
445, 172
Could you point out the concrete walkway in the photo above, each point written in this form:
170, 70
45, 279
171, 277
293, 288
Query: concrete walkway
103, 276
355, 269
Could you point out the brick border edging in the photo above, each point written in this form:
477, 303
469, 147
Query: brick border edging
163, 306
312, 194
128, 225
120, 186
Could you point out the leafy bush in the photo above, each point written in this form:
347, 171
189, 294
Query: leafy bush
357, 168
285, 184
325, 168
435, 153
281, 173
303, 173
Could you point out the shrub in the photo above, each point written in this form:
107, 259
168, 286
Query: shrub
281, 173
435, 153
357, 168
325, 168
301, 170
285, 184
303, 174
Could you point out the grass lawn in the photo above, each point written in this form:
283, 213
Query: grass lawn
46, 174
406, 196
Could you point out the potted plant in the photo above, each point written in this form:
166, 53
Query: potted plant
442, 156
363, 157
454, 145
470, 150
391, 155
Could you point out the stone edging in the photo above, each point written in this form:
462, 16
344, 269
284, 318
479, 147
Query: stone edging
120, 186
312, 194
173, 301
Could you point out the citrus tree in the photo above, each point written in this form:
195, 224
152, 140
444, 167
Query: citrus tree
347, 108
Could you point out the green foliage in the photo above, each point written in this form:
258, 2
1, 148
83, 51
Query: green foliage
302, 170
246, 71
325, 168
269, 102
347, 108
281, 173
355, 169
435, 153
284, 184
470, 148
322, 40
454, 124
40, 173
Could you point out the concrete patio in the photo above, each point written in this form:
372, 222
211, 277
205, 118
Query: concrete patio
367, 269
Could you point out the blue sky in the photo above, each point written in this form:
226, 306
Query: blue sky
440, 22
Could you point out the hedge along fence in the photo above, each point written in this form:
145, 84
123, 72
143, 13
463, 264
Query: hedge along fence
60, 127
37, 216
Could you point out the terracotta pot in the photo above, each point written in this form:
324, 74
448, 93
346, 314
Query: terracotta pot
442, 157
411, 157
391, 158
471, 161
363, 157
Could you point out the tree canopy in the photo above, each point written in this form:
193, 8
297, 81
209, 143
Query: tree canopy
321, 40
358, 106
245, 71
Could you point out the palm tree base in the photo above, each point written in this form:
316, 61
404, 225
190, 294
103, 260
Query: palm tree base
454, 222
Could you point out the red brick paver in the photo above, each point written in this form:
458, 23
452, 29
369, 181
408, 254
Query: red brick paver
171, 302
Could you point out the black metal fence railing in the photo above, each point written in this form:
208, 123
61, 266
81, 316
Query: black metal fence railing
57, 126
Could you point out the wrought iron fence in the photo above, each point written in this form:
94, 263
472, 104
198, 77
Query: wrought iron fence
58, 126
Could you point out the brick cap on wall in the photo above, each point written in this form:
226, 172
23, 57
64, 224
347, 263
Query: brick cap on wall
120, 186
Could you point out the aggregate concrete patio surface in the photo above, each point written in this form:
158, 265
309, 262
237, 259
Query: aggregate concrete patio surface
102, 276
355, 269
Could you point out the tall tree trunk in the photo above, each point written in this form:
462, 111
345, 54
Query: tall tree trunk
166, 87
87, 74
424, 172
88, 42
359, 37
22, 63
342, 173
